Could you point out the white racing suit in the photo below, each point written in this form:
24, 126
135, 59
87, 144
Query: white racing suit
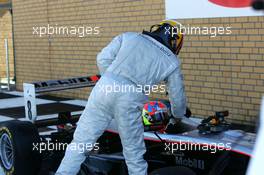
134, 60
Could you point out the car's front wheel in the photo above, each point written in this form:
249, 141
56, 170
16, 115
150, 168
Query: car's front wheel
17, 156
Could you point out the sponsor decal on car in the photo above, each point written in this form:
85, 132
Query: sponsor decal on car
189, 162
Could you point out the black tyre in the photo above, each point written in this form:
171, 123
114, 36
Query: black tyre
17, 156
173, 171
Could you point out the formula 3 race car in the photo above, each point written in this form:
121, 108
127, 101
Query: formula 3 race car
196, 146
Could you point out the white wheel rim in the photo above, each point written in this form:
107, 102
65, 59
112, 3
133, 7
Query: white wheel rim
6, 151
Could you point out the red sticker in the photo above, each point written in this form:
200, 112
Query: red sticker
94, 78
232, 3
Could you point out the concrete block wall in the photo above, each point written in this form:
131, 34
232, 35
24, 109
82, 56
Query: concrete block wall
225, 72
6, 33
58, 56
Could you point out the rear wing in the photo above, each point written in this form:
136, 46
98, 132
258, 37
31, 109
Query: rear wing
31, 89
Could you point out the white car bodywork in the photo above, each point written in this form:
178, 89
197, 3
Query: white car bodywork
255, 167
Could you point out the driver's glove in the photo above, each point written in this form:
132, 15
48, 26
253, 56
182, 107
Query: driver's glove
172, 126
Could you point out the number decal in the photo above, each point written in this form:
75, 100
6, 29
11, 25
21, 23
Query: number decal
29, 110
